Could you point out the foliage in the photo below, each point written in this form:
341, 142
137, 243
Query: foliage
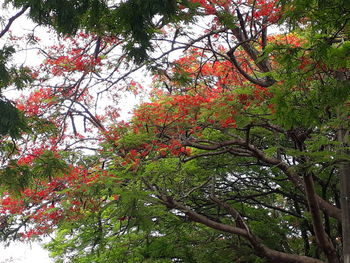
236, 156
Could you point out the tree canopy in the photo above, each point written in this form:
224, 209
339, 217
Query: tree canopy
238, 151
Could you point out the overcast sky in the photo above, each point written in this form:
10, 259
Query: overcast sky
24, 253
33, 253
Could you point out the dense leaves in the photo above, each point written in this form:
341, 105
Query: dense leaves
240, 153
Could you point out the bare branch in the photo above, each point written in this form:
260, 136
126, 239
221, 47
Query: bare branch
12, 19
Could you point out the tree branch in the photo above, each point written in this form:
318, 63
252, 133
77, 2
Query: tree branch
326, 207
11, 20
273, 256
267, 83
322, 239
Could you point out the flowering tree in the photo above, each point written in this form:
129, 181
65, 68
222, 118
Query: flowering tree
241, 150
49, 129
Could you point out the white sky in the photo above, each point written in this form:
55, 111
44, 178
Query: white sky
20, 252
24, 253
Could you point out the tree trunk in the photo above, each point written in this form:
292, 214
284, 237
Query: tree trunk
322, 238
344, 173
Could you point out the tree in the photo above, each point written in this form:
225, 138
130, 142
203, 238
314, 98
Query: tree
243, 142
11, 121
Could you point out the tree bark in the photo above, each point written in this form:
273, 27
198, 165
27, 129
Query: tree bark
253, 151
322, 238
273, 256
344, 174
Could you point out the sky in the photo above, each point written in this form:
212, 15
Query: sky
24, 253
20, 252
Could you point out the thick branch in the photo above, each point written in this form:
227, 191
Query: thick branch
263, 64
203, 219
262, 83
322, 239
326, 207
273, 256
